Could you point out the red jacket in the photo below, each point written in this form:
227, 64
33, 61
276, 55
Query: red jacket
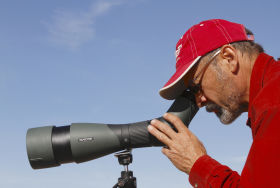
262, 168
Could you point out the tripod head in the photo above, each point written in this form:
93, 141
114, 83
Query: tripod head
124, 158
126, 180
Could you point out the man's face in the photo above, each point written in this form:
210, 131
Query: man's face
224, 97
219, 90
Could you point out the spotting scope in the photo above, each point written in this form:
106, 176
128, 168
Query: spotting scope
51, 146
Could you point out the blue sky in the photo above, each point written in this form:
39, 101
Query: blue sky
103, 62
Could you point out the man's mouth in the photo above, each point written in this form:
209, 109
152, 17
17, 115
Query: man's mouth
215, 111
212, 107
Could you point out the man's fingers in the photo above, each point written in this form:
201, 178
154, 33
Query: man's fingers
163, 127
176, 122
165, 151
159, 135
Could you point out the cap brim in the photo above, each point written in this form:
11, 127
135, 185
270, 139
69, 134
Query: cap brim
175, 85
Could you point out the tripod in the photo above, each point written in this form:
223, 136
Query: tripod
126, 180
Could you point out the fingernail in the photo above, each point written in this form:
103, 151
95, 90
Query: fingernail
165, 115
153, 121
150, 127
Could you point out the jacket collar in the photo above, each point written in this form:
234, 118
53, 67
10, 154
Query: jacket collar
256, 81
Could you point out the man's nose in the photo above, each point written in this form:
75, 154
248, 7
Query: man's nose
200, 100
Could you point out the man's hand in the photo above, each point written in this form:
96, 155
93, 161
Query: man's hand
183, 147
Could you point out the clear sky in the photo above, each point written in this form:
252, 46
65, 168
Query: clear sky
103, 62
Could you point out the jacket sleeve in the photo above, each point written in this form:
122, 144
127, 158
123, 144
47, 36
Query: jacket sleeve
207, 172
262, 167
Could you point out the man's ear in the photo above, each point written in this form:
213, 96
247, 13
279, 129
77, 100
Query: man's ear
229, 54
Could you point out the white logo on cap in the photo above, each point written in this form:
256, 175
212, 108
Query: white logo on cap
177, 52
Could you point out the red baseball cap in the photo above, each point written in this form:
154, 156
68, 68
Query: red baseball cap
195, 43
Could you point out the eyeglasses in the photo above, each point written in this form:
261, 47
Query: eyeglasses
196, 88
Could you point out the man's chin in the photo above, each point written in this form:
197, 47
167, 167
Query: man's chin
225, 116
226, 122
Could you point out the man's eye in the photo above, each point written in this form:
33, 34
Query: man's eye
194, 89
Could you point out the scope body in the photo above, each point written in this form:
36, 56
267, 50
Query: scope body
51, 146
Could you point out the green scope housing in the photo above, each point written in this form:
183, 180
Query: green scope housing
52, 146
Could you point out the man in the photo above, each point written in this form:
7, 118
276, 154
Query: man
228, 73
